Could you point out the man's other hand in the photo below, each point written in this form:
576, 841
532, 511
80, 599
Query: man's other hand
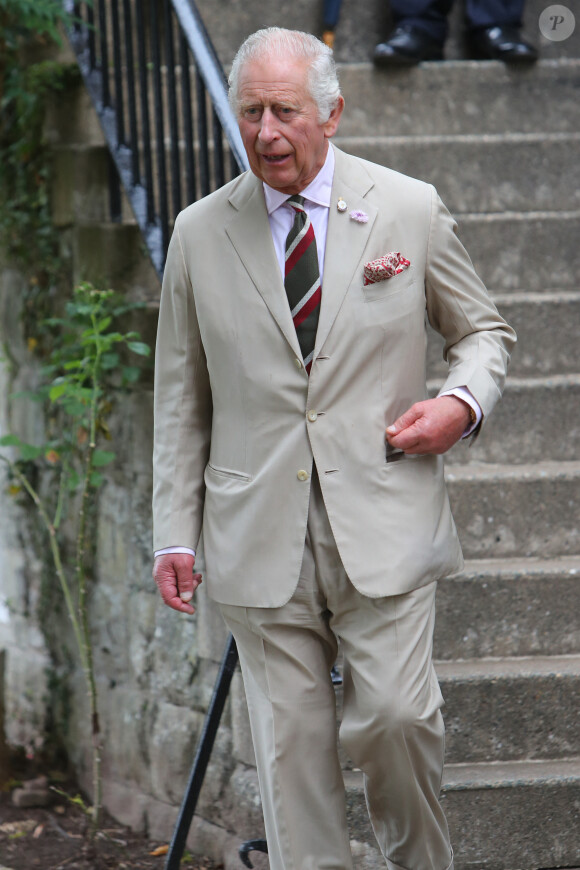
432, 426
176, 581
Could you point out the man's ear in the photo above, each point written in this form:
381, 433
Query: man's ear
331, 125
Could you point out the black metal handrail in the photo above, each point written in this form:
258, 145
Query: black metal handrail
161, 95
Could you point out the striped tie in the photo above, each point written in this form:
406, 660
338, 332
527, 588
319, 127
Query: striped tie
302, 279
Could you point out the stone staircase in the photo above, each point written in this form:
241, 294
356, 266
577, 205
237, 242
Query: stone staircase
507, 635
503, 148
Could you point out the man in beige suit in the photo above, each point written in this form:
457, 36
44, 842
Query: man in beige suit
316, 475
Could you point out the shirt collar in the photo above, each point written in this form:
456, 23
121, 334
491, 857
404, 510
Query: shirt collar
318, 191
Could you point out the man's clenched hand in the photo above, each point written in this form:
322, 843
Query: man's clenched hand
432, 426
176, 581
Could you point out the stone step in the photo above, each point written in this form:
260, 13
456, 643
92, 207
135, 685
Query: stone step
537, 419
504, 814
533, 251
516, 510
504, 709
511, 708
360, 27
509, 607
516, 814
115, 255
445, 99
513, 251
507, 815
489, 173
537, 319
80, 192
459, 97
71, 121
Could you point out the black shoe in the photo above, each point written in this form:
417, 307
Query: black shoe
502, 43
406, 46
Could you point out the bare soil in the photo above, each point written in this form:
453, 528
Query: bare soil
57, 838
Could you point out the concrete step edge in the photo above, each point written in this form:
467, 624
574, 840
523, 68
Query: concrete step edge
502, 774
516, 564
490, 67
544, 382
549, 297
469, 217
427, 67
524, 383
508, 668
461, 139
515, 216
514, 567
463, 776
482, 472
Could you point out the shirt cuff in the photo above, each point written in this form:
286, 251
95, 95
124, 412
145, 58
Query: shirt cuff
465, 395
167, 550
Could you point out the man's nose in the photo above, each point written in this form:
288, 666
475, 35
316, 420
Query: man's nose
268, 127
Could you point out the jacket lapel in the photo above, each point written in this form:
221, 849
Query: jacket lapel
346, 238
249, 233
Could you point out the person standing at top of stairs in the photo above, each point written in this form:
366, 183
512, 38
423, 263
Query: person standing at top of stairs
421, 29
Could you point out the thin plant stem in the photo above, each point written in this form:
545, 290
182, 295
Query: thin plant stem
56, 558
82, 583
61, 491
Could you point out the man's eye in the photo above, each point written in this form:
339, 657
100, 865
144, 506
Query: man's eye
252, 112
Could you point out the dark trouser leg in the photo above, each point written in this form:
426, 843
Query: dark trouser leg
491, 13
428, 15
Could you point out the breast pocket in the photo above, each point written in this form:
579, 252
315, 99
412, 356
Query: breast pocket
390, 286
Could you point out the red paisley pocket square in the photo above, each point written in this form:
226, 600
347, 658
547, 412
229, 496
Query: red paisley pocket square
385, 267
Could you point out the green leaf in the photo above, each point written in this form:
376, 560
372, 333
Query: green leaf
57, 391
110, 360
10, 441
75, 408
28, 451
139, 347
96, 479
102, 324
102, 457
73, 480
131, 374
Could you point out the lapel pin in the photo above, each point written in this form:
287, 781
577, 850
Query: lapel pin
341, 204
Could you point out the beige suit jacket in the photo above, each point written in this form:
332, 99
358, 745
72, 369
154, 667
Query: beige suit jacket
238, 423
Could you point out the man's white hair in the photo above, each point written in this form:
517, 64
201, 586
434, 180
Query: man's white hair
276, 41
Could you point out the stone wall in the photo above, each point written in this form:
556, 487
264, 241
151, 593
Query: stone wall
155, 668
27, 660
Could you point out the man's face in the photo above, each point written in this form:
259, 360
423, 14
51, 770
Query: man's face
278, 119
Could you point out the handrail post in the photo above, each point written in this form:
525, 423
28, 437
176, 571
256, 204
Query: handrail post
139, 108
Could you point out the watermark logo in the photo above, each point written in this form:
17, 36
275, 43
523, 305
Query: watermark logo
557, 23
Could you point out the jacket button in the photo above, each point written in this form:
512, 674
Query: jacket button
298, 363
302, 475
312, 415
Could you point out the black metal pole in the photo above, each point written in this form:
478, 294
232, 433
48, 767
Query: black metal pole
186, 108
158, 94
171, 87
205, 746
145, 131
131, 92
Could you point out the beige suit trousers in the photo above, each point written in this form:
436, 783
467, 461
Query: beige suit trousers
392, 727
